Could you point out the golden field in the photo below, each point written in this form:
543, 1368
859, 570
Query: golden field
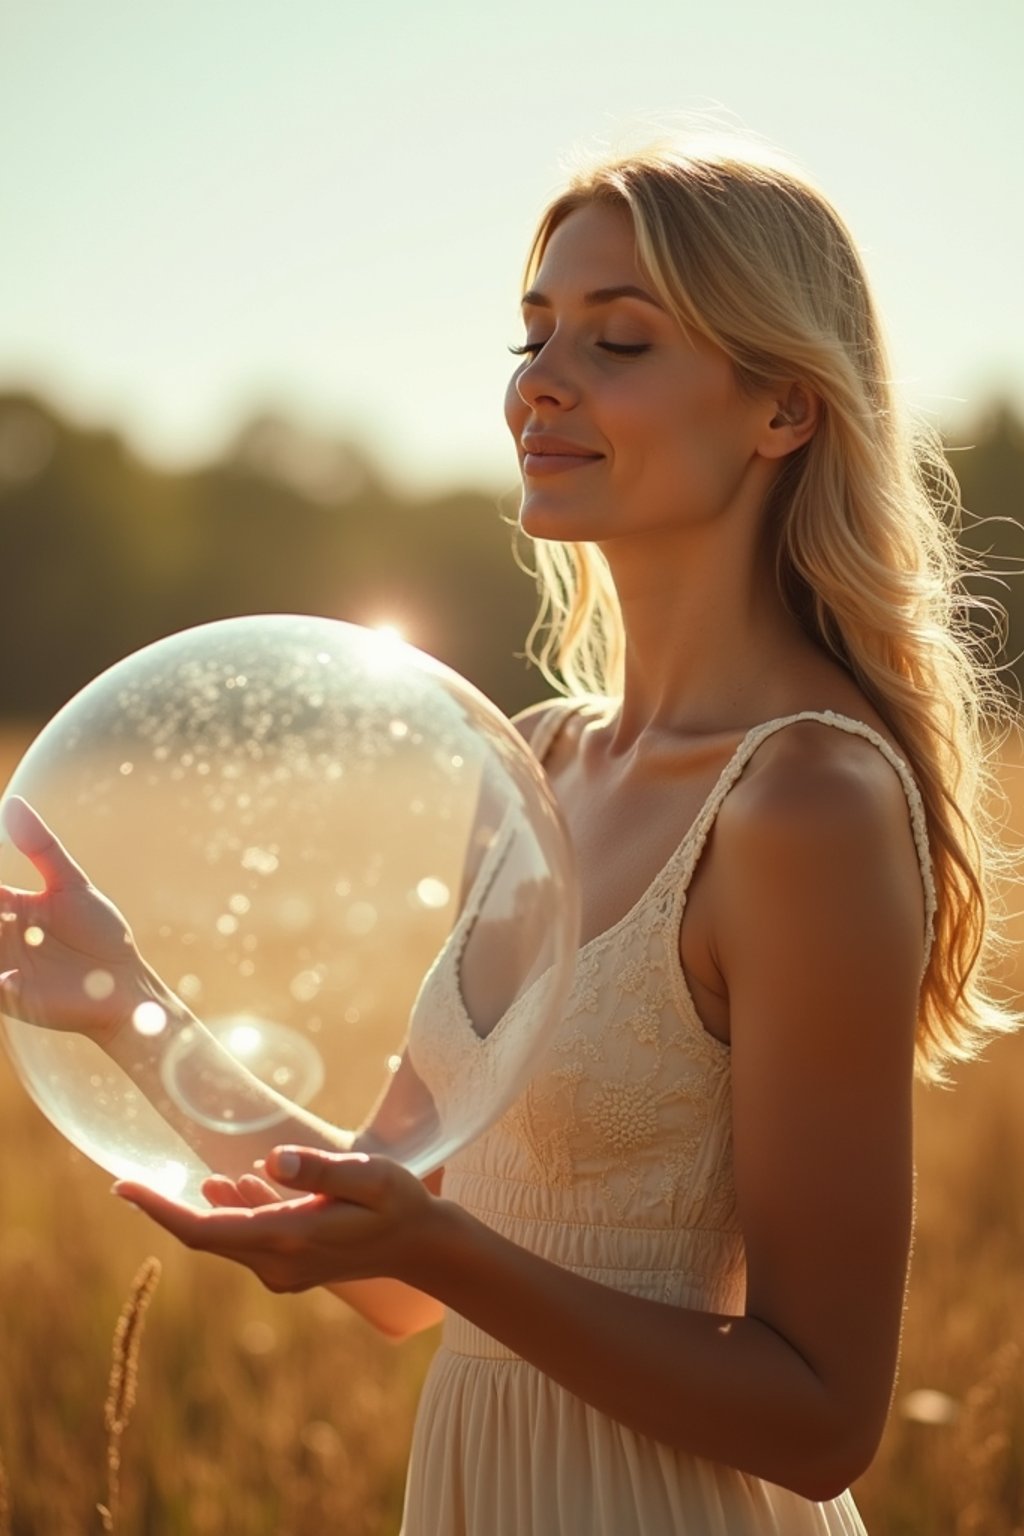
285, 1416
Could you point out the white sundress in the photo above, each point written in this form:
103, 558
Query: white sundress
616, 1164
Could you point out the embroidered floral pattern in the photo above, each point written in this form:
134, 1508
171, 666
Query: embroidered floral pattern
645, 1020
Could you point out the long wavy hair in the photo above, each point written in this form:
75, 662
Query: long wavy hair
746, 252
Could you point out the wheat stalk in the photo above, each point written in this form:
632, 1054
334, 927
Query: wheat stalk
5, 1501
124, 1375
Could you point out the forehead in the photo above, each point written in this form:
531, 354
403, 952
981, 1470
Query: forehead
593, 247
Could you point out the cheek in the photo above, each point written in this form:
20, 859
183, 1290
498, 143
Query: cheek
515, 409
676, 457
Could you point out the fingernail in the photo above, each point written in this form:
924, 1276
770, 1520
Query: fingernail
287, 1164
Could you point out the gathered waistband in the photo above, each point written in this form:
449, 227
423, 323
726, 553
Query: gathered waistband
464, 1338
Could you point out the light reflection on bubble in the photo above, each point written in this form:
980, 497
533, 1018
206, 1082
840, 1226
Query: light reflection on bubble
189, 986
98, 985
433, 892
239, 904
394, 1062
360, 918
243, 1040
305, 986
149, 1019
227, 924
206, 1089
260, 860
295, 913
170, 1179
34, 936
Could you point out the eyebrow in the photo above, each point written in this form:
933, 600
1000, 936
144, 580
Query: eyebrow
536, 300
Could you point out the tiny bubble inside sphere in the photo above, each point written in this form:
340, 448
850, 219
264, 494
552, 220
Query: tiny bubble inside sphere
98, 985
149, 1019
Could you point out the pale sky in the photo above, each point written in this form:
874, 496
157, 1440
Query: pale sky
209, 207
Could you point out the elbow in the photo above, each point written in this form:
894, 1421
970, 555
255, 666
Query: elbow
832, 1466
820, 1485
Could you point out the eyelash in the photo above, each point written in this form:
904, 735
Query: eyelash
531, 348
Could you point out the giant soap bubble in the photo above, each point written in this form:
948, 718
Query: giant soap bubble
347, 879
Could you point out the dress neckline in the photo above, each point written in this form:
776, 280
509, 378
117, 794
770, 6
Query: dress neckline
730, 772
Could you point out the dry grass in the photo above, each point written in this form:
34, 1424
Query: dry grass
5, 1502
273, 1416
124, 1377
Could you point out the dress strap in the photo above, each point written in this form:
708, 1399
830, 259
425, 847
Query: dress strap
554, 721
694, 843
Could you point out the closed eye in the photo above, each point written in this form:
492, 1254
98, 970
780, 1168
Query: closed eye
620, 349
624, 350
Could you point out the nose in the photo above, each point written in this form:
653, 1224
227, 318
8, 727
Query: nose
545, 380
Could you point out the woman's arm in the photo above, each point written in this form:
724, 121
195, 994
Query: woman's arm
85, 934
818, 933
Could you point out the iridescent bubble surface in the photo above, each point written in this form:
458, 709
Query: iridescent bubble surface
313, 831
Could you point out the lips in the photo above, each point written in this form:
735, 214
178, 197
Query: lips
544, 455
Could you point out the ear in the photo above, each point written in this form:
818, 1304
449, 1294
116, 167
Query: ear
795, 412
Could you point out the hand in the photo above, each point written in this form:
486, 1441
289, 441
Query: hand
357, 1218
84, 967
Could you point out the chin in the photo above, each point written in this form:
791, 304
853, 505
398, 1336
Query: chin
542, 517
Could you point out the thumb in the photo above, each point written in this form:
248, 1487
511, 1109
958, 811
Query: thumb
32, 837
352, 1176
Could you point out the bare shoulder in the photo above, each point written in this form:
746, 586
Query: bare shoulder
812, 781
816, 850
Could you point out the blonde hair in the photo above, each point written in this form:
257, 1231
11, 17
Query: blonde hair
744, 251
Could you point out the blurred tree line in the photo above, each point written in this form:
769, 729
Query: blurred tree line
103, 553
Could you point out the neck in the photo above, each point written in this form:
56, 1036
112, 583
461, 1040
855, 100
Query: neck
709, 644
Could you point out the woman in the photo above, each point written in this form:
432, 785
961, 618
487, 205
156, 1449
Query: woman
672, 1275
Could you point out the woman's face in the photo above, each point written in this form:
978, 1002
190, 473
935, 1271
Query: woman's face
623, 423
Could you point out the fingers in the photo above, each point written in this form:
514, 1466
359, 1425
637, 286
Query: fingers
180, 1220
222, 1192
352, 1176
32, 837
233, 1232
247, 1190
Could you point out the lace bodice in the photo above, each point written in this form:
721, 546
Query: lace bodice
616, 1160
